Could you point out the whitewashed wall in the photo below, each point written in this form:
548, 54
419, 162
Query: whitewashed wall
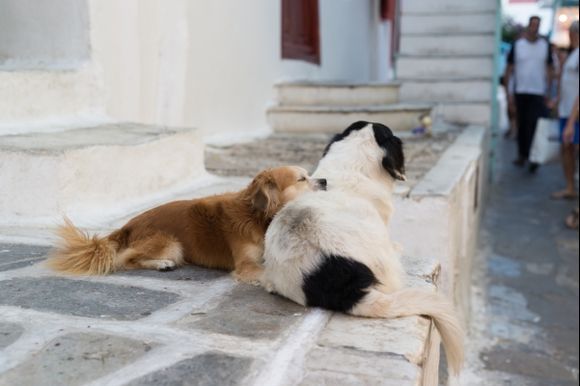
207, 64
212, 64
39, 34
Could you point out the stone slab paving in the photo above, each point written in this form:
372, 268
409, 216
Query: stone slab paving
9, 332
212, 368
195, 326
16, 256
192, 326
247, 159
75, 359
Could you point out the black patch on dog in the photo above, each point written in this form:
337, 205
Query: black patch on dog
394, 159
339, 137
338, 284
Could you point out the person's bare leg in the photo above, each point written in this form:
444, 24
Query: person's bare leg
569, 168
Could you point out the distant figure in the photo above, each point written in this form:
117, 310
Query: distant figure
571, 134
530, 62
567, 101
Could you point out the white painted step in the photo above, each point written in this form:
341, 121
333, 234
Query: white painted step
36, 95
466, 44
445, 66
466, 113
333, 119
336, 94
447, 6
449, 90
41, 232
93, 169
483, 22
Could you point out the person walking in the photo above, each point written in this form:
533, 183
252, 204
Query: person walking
571, 134
567, 102
530, 63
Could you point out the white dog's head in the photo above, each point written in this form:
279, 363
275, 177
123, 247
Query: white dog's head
365, 147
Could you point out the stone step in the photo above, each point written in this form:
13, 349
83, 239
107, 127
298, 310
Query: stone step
483, 22
93, 169
27, 96
447, 6
443, 66
466, 113
442, 44
333, 119
336, 93
448, 90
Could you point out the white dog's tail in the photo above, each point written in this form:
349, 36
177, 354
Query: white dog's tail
412, 301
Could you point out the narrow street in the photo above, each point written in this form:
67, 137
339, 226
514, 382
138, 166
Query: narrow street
525, 287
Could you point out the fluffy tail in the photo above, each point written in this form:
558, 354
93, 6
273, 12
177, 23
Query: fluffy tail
78, 253
412, 301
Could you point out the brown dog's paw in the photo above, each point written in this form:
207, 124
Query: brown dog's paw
165, 265
249, 276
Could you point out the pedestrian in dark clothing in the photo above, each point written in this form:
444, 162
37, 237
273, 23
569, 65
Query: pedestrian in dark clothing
531, 65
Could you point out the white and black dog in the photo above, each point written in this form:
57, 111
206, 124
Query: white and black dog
331, 249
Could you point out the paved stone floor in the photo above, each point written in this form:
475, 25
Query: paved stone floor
525, 306
192, 326
195, 326
305, 150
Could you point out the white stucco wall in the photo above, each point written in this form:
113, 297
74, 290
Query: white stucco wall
212, 65
43, 34
206, 64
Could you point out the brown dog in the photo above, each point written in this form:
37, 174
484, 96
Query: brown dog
224, 231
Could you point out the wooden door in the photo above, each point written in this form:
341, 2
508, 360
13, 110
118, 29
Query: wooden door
300, 30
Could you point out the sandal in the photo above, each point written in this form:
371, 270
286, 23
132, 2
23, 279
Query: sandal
563, 195
572, 219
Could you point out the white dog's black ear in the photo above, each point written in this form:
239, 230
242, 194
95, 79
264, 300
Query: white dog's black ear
394, 159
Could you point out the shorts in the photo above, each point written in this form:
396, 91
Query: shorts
576, 140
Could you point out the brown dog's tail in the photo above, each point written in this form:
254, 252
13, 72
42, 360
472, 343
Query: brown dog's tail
412, 301
78, 253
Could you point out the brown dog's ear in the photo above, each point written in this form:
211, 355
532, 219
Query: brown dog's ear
266, 199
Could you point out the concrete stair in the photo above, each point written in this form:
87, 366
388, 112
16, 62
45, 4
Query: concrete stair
447, 6
446, 57
43, 95
443, 66
430, 24
336, 94
450, 89
476, 43
93, 170
464, 113
333, 119
329, 107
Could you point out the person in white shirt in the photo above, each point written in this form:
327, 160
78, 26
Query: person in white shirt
567, 101
530, 63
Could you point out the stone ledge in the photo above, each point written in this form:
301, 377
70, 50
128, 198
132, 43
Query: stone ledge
440, 215
51, 174
452, 165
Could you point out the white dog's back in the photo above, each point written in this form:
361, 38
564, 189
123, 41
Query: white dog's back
322, 224
332, 249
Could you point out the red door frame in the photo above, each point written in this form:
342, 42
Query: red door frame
300, 30
390, 12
